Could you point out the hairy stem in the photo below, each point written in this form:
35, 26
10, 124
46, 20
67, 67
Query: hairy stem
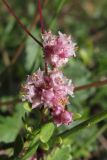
20, 23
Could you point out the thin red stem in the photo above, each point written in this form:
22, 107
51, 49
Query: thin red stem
20, 23
41, 17
42, 30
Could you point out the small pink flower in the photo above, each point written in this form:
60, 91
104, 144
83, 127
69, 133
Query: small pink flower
47, 96
56, 78
65, 47
57, 61
33, 158
56, 110
48, 39
64, 117
58, 49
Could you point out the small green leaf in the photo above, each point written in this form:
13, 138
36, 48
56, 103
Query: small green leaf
59, 140
62, 153
11, 125
27, 107
76, 116
18, 145
44, 146
46, 132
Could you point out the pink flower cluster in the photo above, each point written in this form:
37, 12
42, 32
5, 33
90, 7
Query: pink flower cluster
33, 158
58, 49
50, 91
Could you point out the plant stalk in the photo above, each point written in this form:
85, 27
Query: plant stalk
20, 23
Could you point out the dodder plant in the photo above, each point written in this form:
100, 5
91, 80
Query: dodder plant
49, 90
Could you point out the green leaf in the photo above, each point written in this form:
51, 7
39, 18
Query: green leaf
46, 132
44, 146
10, 125
18, 145
62, 153
33, 53
27, 107
76, 116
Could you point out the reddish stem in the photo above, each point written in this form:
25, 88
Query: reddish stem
21, 47
42, 30
95, 84
41, 17
20, 23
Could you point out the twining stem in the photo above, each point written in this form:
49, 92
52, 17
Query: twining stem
94, 84
88, 123
20, 23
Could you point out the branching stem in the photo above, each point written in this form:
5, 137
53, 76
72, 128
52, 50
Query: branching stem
20, 23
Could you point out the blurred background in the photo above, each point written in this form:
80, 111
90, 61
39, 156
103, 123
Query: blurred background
86, 21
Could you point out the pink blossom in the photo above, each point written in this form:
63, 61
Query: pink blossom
50, 91
65, 47
32, 88
56, 110
64, 117
61, 84
33, 158
56, 78
47, 96
58, 49
48, 39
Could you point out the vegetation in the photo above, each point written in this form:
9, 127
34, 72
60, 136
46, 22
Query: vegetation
22, 134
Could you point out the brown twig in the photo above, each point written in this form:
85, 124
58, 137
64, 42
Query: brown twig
95, 84
22, 45
20, 23
78, 88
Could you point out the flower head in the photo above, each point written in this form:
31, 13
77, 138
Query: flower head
64, 117
50, 91
58, 49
